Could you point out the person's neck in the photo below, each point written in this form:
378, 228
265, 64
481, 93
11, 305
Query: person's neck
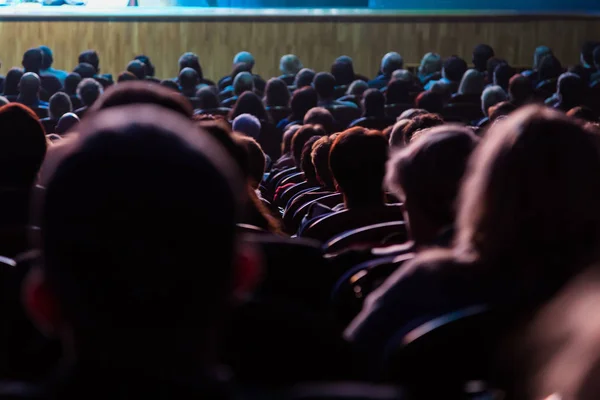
365, 201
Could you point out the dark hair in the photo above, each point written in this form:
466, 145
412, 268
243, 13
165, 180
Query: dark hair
286, 142
357, 160
144, 170
85, 70
520, 89
126, 76
481, 54
491, 65
90, 57
570, 88
207, 99
147, 64
324, 84
23, 146
320, 116
240, 67
398, 92
501, 109
302, 101
188, 79
502, 75
306, 165
137, 68
168, 83
137, 92
454, 68
304, 78
583, 113
88, 91
301, 137
550, 68
249, 103
430, 101
190, 60
256, 158
60, 104
32, 60
71, 82
343, 72
11, 82
587, 51
419, 123
320, 160
277, 93
373, 103
47, 58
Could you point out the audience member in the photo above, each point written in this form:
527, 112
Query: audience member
47, 61
501, 109
148, 66
11, 83
430, 68
324, 84
33, 60
249, 103
256, 157
301, 137
389, 63
60, 104
355, 90
373, 106
481, 54
304, 78
520, 90
343, 72
286, 160
247, 124
419, 123
85, 70
71, 82
137, 68
188, 82
432, 101
452, 72
126, 76
538, 56
289, 65
88, 92
502, 75
472, 83
302, 101
90, 57
191, 60
65, 123
398, 92
277, 93
322, 117
29, 91
491, 96
550, 68
570, 90
243, 82
168, 83
320, 160
207, 99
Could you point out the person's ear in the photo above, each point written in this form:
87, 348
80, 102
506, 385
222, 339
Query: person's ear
40, 303
247, 270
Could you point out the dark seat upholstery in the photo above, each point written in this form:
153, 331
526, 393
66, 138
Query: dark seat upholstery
50, 85
274, 180
462, 112
329, 200
340, 91
270, 139
351, 97
344, 115
546, 88
394, 110
385, 233
278, 113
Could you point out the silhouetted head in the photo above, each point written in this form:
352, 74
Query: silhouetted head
520, 90
286, 142
47, 57
430, 64
472, 82
59, 105
320, 160
454, 68
249, 103
277, 93
137, 68
550, 68
65, 123
71, 82
398, 92
491, 96
29, 85
304, 78
290, 64
85, 70
373, 103
32, 60
481, 54
302, 100
244, 57
11, 82
188, 80
149, 68
170, 84
207, 98
431, 101
343, 72
306, 165
248, 125
322, 117
299, 139
539, 54
126, 76
357, 88
191, 60
502, 75
587, 53
324, 84
90, 57
391, 62
570, 89
256, 158
243, 82
88, 91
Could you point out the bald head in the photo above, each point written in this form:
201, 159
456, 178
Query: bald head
290, 64
243, 82
29, 85
391, 62
244, 57
137, 68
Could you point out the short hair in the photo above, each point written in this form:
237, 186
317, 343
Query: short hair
429, 171
191, 60
126, 76
141, 92
71, 82
343, 72
90, 57
88, 91
168, 83
324, 84
247, 124
30, 84
501, 109
320, 116
306, 165
520, 89
85, 70
472, 82
277, 93
357, 161
481, 54
286, 142
302, 101
403, 75
137, 68
391, 62
47, 58
290, 64
570, 88
60, 104
539, 54
396, 138
373, 103
420, 123
149, 68
502, 75
65, 123
23, 146
454, 68
304, 78
301, 137
357, 88
256, 158
431, 101
320, 160
207, 98
492, 95
587, 51
144, 170
430, 64
583, 113
244, 57
550, 68
33, 60
243, 82
188, 78
249, 103
11, 82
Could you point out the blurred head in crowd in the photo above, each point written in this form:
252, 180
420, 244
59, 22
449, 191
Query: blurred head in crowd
481, 54
29, 86
300, 138
168, 83
126, 76
570, 90
191, 60
85, 70
32, 60
357, 88
322, 117
60, 104
419, 123
343, 72
373, 104
88, 91
492, 95
65, 123
520, 90
47, 57
454, 69
277, 93
71, 82
502, 75
290, 64
304, 78
244, 57
247, 124
256, 157
431, 101
137, 68
148, 67
90, 57
188, 80
550, 68
243, 82
587, 53
11, 82
302, 100
472, 82
398, 92
249, 103
501, 109
391, 62
539, 54
430, 64
320, 160
207, 99
324, 84
286, 142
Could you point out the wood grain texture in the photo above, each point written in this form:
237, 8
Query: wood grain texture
317, 43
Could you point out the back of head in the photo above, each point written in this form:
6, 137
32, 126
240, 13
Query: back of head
357, 88
396, 137
491, 96
454, 68
248, 125
430, 64
570, 88
11, 82
23, 146
398, 92
306, 165
520, 89
373, 103
431, 101
71, 82
188, 78
244, 57
277, 93
304, 78
343, 72
288, 135
137, 68
320, 160
290, 64
502, 75
300, 138
391, 62
256, 158
89, 90
249, 103
169, 84
529, 202
403, 75
243, 82
149, 68
29, 85
65, 123
501, 109
207, 99
60, 104
539, 54
140, 92
419, 123
90, 57
126, 76
302, 101
320, 116
587, 52
47, 57
550, 68
33, 60
324, 84
140, 172
190, 60
85, 70
357, 160
472, 82
481, 54
428, 172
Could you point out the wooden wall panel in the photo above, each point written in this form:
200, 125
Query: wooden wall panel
317, 43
